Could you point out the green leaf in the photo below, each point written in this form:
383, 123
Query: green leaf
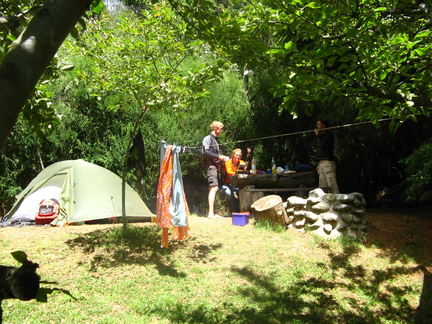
74, 33
398, 40
346, 58
420, 51
274, 51
331, 61
289, 45
83, 24
383, 75
97, 6
352, 32
313, 5
423, 34
67, 67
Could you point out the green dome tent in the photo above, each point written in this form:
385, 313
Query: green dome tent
86, 192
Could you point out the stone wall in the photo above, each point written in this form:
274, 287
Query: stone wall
329, 215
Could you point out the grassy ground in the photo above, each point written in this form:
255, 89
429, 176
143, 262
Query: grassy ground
222, 274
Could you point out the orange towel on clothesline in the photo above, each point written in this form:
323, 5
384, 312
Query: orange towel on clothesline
164, 201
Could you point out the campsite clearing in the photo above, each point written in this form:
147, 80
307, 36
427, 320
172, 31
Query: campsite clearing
223, 273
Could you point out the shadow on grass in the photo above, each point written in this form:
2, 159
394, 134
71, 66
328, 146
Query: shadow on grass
372, 299
406, 246
367, 297
135, 245
43, 293
413, 243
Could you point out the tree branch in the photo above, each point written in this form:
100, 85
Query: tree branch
31, 53
397, 97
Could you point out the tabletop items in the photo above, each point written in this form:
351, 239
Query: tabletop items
245, 169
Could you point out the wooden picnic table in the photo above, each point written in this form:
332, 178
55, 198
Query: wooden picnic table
278, 180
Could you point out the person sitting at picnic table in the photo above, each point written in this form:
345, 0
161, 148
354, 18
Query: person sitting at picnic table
231, 168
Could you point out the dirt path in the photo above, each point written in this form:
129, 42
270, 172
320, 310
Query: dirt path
402, 232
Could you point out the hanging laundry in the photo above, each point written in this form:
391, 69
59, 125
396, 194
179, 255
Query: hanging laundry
171, 205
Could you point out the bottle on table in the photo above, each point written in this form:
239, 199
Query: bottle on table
273, 166
253, 168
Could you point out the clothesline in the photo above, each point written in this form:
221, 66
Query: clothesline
199, 149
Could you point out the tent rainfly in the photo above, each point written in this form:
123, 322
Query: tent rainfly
86, 192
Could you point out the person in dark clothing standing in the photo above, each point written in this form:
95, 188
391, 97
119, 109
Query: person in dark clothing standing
213, 164
326, 163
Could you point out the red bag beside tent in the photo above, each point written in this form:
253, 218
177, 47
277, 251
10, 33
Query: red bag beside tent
49, 209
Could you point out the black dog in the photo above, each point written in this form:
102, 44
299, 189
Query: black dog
22, 283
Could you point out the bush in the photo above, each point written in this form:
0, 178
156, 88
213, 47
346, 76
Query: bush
419, 169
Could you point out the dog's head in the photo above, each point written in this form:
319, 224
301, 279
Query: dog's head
22, 283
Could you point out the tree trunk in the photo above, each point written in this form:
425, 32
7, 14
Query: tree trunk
31, 53
271, 209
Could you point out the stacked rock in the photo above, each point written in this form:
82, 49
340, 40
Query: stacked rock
329, 215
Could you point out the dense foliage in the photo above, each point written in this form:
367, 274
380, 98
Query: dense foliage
345, 61
419, 168
102, 86
268, 70
373, 55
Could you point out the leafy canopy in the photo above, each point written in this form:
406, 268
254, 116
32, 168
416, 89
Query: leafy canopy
419, 169
142, 59
374, 54
15, 15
